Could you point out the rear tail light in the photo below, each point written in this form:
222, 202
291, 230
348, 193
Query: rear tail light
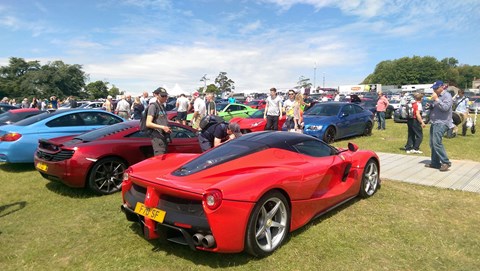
212, 199
11, 137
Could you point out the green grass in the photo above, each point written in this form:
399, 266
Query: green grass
394, 138
47, 226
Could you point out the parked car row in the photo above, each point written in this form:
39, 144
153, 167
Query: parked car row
245, 195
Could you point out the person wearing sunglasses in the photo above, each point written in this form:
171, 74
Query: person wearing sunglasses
157, 122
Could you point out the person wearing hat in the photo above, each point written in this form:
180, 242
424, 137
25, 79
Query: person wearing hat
157, 122
217, 134
199, 110
440, 119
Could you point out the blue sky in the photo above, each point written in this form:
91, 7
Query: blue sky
139, 45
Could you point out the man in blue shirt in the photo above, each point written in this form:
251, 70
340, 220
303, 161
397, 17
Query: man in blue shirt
440, 119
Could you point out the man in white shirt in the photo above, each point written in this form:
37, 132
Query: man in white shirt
199, 109
273, 110
182, 107
123, 108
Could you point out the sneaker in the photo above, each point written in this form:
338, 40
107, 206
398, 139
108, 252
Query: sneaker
410, 151
444, 167
417, 151
431, 166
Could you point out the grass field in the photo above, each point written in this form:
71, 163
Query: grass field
47, 226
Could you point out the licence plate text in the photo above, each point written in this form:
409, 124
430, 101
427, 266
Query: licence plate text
152, 213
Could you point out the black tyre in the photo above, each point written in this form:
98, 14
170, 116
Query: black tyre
329, 136
368, 129
268, 225
370, 179
106, 176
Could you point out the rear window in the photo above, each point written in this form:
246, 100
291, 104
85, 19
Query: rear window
219, 155
102, 132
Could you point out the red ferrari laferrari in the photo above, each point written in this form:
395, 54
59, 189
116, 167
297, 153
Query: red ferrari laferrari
246, 194
97, 159
255, 122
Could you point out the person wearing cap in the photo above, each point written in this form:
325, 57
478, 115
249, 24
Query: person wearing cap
199, 110
217, 134
440, 119
157, 122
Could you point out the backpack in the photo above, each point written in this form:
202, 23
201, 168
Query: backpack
209, 120
143, 119
407, 111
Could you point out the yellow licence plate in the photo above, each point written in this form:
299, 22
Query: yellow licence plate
152, 213
42, 166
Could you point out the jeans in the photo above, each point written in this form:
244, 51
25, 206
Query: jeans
381, 120
272, 123
415, 135
439, 155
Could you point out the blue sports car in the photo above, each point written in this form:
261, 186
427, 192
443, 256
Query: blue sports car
19, 141
334, 120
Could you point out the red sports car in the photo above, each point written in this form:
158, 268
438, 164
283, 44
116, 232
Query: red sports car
257, 104
97, 159
255, 122
246, 194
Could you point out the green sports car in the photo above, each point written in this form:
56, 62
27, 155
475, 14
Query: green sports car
228, 111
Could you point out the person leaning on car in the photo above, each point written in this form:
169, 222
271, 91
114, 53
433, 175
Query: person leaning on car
158, 128
217, 134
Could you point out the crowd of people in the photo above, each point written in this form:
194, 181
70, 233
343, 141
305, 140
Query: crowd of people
441, 106
42, 104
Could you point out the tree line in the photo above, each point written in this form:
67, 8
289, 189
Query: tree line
423, 70
25, 79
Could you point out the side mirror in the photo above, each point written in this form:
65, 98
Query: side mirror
352, 147
343, 115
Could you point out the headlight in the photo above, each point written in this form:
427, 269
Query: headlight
314, 127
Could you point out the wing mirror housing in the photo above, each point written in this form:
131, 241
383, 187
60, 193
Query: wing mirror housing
352, 147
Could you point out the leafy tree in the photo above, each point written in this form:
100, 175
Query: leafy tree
26, 79
415, 70
97, 89
303, 82
224, 83
13, 75
114, 91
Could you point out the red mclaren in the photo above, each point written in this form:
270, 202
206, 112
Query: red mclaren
247, 194
97, 159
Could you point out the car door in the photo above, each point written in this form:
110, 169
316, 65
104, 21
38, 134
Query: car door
325, 175
352, 123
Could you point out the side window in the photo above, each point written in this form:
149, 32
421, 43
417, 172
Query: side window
314, 148
67, 120
348, 109
235, 108
139, 134
358, 109
98, 118
179, 132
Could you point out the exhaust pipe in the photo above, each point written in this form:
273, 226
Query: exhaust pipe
208, 241
197, 239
